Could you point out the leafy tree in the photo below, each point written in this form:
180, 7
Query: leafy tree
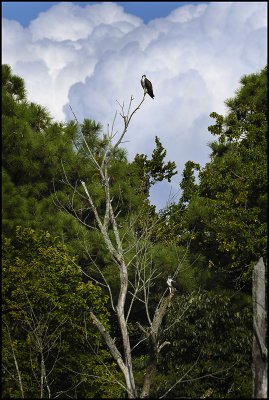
154, 170
32, 149
48, 340
211, 339
222, 216
12, 86
225, 214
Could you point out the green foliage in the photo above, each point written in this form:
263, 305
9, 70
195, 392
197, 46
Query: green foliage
155, 169
212, 237
187, 184
226, 213
12, 86
33, 148
46, 305
211, 339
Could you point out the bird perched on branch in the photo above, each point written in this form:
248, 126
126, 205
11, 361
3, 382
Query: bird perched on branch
147, 86
172, 285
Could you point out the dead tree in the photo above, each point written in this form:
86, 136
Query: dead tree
259, 349
154, 345
120, 251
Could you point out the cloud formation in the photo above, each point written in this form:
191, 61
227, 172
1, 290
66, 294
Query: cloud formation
93, 56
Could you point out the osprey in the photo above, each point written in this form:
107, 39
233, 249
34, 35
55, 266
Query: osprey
147, 86
172, 285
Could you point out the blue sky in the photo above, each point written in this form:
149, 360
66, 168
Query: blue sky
92, 56
25, 11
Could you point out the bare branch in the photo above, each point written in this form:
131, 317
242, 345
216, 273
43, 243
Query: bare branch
127, 120
109, 341
15, 360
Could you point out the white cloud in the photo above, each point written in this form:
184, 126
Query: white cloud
93, 56
67, 21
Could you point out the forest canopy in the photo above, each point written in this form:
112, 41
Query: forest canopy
59, 259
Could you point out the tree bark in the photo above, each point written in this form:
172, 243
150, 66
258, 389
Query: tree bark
150, 372
124, 332
259, 350
154, 345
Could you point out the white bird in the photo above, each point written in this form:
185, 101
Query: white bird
172, 285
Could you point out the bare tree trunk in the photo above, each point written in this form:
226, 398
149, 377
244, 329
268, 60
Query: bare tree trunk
117, 356
124, 331
259, 350
150, 372
154, 344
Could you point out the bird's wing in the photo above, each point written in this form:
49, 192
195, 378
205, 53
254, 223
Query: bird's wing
148, 84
